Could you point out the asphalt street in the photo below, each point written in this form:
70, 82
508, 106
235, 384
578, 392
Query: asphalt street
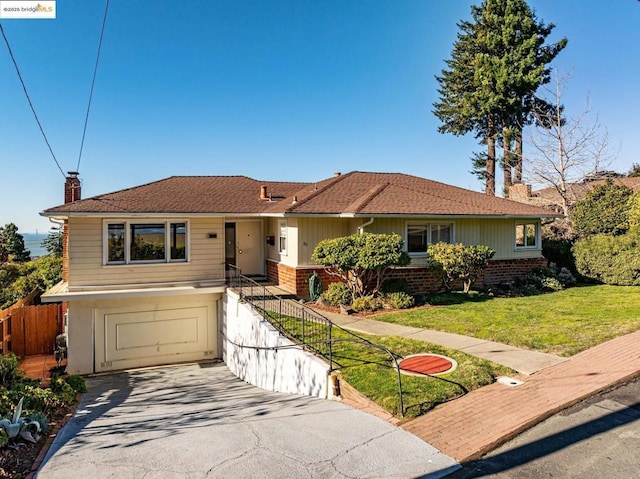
597, 438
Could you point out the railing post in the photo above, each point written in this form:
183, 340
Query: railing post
330, 346
303, 324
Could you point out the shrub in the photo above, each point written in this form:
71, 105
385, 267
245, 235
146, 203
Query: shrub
539, 280
77, 383
62, 389
558, 251
361, 261
610, 259
605, 209
10, 371
459, 262
566, 277
40, 399
634, 210
337, 294
395, 285
399, 300
366, 303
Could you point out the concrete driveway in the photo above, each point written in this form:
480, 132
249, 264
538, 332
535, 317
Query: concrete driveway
200, 421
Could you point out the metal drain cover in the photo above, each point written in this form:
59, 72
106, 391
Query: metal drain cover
507, 381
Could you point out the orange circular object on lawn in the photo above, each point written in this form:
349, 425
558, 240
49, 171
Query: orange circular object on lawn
427, 363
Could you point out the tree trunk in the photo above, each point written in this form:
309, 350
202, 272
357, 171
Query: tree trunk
519, 157
490, 187
506, 161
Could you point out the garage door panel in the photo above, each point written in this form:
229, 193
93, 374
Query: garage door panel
155, 333
135, 335
149, 336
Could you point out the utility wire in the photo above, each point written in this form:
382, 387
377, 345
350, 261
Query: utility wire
93, 81
24, 87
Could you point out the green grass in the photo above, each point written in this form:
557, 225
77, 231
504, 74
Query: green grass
372, 371
563, 323
369, 371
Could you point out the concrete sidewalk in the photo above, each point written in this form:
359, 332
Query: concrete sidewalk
522, 360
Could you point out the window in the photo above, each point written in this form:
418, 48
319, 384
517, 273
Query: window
282, 236
421, 235
158, 242
115, 242
526, 235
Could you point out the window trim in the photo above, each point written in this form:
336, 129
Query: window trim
127, 241
429, 224
283, 224
538, 239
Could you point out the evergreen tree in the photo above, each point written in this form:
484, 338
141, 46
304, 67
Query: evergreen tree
12, 245
498, 62
53, 242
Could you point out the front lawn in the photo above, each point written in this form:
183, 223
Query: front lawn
369, 371
563, 323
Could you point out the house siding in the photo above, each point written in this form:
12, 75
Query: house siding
206, 257
498, 234
311, 231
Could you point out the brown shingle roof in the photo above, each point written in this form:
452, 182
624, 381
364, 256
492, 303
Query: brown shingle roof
352, 193
185, 194
578, 191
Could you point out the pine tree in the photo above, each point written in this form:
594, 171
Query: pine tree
53, 242
12, 245
498, 62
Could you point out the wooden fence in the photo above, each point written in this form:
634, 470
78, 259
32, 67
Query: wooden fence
28, 330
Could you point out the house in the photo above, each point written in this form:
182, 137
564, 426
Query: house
551, 199
144, 274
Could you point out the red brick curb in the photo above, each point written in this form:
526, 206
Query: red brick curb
45, 449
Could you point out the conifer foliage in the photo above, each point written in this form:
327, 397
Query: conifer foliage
498, 61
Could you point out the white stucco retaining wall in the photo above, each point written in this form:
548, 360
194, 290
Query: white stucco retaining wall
290, 370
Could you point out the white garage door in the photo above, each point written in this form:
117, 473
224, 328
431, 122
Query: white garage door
129, 337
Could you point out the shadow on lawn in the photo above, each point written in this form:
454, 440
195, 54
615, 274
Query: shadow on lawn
455, 297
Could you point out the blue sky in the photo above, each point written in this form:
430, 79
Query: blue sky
275, 90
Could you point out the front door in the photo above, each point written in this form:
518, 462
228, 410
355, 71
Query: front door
248, 247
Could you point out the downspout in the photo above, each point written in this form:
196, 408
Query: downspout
363, 225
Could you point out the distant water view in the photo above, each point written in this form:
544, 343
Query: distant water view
32, 243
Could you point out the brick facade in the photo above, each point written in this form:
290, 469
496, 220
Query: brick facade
420, 279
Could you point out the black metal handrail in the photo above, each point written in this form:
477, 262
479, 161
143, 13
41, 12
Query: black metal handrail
300, 323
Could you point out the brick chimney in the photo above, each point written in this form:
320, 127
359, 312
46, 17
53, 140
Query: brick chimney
520, 192
72, 188
72, 192
263, 193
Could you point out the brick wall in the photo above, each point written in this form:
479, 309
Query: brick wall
296, 280
504, 271
420, 279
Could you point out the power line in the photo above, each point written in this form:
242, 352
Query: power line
93, 81
24, 87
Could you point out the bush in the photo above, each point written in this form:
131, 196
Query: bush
558, 251
459, 262
538, 280
39, 399
337, 294
605, 209
566, 277
361, 261
610, 259
77, 383
399, 300
366, 303
10, 371
395, 285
